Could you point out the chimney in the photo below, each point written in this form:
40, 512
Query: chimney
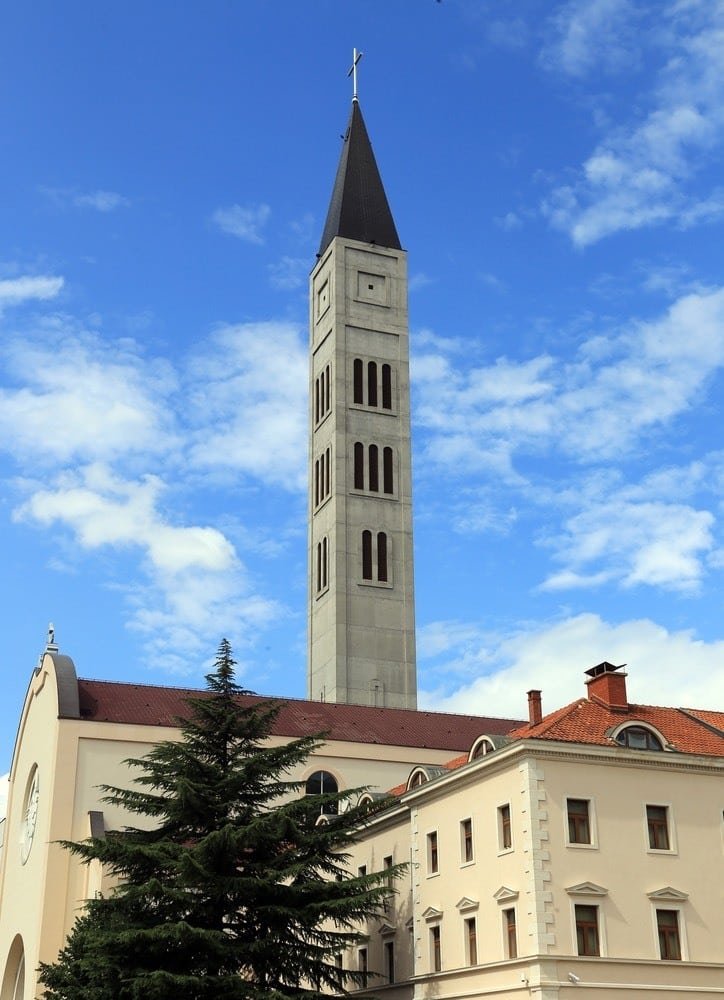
608, 687
535, 708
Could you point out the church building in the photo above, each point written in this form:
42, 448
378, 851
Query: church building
580, 850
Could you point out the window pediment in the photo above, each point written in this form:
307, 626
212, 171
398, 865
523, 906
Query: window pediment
505, 895
466, 904
387, 929
668, 893
586, 889
432, 913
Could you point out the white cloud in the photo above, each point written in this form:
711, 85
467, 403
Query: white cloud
642, 173
76, 396
247, 403
588, 34
289, 273
619, 388
101, 201
495, 671
14, 291
244, 221
196, 587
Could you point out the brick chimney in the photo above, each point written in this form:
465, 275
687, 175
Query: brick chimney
535, 708
607, 686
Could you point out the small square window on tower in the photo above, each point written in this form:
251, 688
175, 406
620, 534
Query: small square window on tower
323, 298
372, 288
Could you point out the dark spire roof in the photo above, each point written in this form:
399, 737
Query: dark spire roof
359, 209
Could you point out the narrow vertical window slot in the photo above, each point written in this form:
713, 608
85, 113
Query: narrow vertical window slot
359, 466
382, 557
327, 388
328, 473
387, 470
316, 401
316, 482
366, 555
324, 563
357, 378
372, 383
319, 566
386, 387
374, 470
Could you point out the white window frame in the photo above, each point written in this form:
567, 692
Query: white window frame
583, 899
463, 862
499, 822
673, 847
428, 852
678, 906
592, 824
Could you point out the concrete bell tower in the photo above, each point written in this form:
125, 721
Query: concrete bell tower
361, 592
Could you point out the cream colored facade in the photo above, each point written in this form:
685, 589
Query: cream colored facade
541, 877
64, 757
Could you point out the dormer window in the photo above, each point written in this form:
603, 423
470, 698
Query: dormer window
638, 738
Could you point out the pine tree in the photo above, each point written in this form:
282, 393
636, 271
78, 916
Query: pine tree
237, 890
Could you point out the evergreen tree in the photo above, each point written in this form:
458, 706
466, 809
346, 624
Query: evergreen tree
237, 890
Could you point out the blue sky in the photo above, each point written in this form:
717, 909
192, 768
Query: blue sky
555, 172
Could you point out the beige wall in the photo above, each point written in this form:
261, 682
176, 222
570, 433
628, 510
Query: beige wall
535, 780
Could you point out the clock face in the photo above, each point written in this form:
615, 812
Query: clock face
27, 831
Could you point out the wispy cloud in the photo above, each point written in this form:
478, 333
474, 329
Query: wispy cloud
591, 34
642, 172
243, 221
596, 407
289, 273
15, 291
99, 201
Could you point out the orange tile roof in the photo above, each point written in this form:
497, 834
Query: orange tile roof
148, 705
589, 721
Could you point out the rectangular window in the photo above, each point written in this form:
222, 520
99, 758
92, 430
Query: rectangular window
390, 961
362, 967
466, 840
509, 930
362, 871
579, 821
667, 925
505, 833
471, 940
657, 821
587, 930
432, 854
389, 881
338, 960
435, 949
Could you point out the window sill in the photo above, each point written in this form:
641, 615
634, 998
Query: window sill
581, 847
505, 850
322, 503
320, 593
433, 874
373, 409
671, 851
467, 864
373, 495
375, 583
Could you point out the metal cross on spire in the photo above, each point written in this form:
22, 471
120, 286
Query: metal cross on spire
356, 56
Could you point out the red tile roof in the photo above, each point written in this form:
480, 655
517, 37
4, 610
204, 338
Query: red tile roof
588, 721
147, 705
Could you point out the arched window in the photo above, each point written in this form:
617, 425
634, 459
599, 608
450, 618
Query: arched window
372, 383
316, 401
374, 472
357, 380
13, 981
639, 738
481, 747
417, 778
386, 387
387, 470
366, 555
359, 466
382, 556
327, 388
324, 562
328, 472
323, 783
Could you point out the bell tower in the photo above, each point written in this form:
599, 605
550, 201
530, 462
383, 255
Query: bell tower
361, 620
